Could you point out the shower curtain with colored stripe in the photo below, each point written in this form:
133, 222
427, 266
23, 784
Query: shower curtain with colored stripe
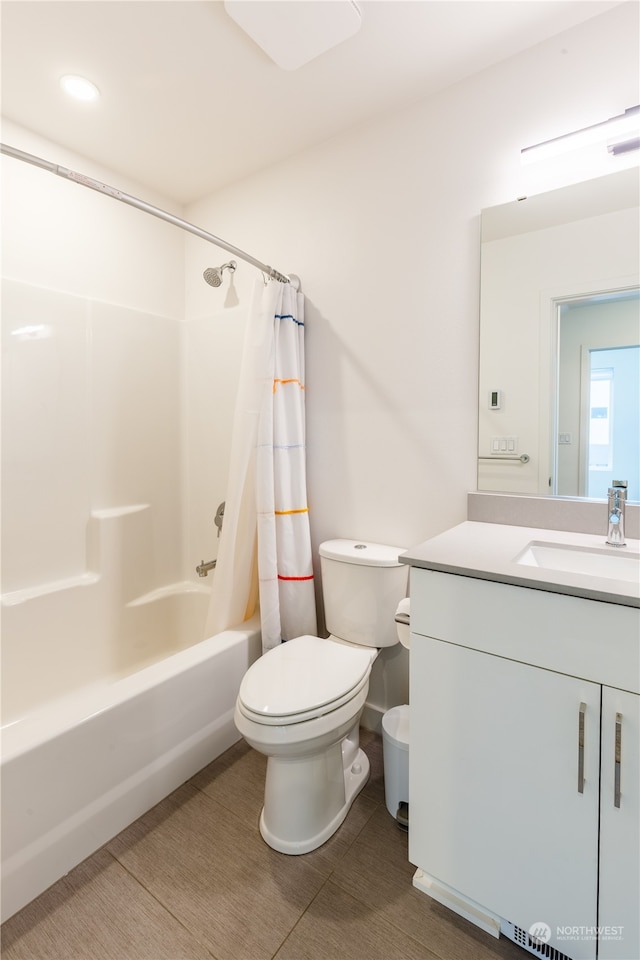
266, 535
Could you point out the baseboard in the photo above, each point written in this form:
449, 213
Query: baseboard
457, 902
371, 718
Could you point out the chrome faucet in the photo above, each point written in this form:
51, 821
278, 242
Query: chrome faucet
203, 568
616, 501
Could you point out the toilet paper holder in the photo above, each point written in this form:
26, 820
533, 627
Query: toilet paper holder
403, 618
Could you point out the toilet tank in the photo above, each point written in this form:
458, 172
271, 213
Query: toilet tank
362, 584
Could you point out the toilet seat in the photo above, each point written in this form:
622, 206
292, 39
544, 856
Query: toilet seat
304, 678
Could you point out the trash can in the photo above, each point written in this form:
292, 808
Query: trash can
395, 749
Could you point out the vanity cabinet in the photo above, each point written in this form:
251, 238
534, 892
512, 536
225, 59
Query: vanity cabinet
516, 749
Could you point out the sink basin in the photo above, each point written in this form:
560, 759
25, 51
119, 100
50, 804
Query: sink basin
612, 564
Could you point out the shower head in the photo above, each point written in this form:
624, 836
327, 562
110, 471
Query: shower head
213, 275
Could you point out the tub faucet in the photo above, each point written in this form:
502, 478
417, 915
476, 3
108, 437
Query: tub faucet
219, 517
203, 568
616, 501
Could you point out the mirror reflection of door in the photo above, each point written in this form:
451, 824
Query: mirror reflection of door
598, 414
610, 431
611, 441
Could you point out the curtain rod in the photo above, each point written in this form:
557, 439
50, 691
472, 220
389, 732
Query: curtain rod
141, 205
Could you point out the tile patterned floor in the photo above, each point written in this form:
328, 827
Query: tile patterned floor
193, 880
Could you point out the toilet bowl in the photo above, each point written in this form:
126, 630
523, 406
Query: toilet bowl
300, 704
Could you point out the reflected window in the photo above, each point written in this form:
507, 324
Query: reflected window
613, 428
598, 416
600, 410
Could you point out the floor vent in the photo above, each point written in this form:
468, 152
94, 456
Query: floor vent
524, 939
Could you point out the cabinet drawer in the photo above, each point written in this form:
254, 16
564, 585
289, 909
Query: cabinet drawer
582, 638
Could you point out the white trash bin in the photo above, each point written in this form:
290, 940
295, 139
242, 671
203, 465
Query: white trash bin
395, 748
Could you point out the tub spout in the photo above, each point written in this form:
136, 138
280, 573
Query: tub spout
203, 568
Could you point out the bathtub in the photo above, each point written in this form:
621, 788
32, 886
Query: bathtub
79, 768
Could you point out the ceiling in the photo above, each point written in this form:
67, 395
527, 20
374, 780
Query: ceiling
190, 103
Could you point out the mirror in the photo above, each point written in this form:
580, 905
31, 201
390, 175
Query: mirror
559, 340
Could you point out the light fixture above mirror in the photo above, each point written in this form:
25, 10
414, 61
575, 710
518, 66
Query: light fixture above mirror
619, 134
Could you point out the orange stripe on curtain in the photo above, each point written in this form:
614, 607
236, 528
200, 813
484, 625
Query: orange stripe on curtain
290, 380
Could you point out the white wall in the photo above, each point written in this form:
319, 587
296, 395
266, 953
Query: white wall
382, 225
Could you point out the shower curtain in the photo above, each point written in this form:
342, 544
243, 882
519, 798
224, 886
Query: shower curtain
265, 547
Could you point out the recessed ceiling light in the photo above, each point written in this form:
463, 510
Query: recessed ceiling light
79, 87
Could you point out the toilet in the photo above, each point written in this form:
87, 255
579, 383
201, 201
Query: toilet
300, 704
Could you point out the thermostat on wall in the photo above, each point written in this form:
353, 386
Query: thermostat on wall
495, 399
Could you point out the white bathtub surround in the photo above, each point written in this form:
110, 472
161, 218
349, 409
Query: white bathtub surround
78, 771
111, 696
267, 478
99, 626
96, 582
91, 402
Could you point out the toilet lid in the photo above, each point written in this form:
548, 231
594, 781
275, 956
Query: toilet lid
303, 675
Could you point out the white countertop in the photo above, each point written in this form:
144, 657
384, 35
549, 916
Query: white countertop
490, 551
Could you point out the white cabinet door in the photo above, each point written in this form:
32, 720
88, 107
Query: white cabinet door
497, 809
620, 827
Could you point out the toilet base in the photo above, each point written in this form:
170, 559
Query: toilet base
307, 799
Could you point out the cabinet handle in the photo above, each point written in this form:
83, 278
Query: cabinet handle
583, 710
617, 762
